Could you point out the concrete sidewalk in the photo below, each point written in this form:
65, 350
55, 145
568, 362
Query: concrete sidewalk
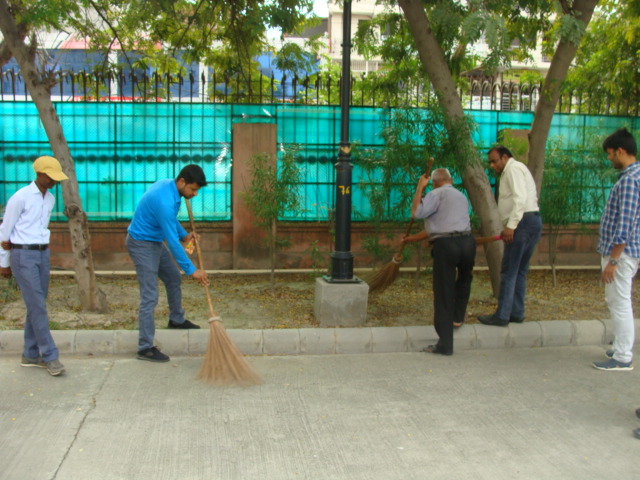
320, 341
520, 413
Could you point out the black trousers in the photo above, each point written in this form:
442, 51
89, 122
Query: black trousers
453, 260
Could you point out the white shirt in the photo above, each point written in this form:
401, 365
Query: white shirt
518, 193
26, 219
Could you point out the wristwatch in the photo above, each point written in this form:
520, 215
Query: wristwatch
613, 262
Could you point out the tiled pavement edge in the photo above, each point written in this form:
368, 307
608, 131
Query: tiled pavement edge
318, 341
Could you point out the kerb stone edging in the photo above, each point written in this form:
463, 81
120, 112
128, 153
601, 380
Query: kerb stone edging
324, 341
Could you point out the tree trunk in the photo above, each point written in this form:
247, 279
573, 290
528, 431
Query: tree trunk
550, 94
272, 251
91, 297
473, 175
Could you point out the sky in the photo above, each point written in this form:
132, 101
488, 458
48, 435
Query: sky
320, 8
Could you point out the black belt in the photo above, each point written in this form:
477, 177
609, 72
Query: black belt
526, 214
436, 236
29, 247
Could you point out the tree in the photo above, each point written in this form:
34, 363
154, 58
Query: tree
14, 23
573, 21
607, 65
440, 33
225, 35
474, 178
271, 194
560, 205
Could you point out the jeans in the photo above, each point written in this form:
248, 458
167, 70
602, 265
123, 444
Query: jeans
152, 261
515, 266
31, 271
453, 260
617, 294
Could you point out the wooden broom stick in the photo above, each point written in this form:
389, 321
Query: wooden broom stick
224, 363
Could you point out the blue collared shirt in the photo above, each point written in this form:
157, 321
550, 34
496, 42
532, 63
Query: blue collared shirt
155, 220
620, 222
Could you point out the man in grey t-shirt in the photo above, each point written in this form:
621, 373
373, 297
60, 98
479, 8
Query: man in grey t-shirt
445, 211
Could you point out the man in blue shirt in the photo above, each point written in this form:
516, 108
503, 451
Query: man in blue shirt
154, 236
619, 245
445, 211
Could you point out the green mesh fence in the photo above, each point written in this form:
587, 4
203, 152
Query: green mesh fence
119, 149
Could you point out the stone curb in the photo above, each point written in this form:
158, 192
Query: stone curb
323, 341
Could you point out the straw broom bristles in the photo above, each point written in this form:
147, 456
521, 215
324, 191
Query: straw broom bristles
385, 277
224, 363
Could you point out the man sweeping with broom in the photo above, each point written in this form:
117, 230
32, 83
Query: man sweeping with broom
153, 242
447, 225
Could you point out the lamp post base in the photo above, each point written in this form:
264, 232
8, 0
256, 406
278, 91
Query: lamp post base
342, 303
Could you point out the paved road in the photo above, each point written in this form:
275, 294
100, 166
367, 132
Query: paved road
523, 413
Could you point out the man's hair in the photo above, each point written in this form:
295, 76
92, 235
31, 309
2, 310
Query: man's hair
193, 174
621, 139
441, 175
501, 151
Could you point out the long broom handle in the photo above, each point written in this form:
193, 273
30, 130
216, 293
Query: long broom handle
487, 239
212, 312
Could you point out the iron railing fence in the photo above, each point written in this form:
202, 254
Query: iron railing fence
366, 90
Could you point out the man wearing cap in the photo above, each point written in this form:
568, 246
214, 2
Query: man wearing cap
24, 235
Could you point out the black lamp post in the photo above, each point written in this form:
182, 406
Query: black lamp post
342, 258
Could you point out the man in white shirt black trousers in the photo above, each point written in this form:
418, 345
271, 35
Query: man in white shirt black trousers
520, 216
24, 236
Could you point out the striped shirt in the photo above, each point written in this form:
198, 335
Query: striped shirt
620, 222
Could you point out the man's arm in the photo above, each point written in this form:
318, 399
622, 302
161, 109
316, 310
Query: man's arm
417, 197
12, 212
514, 179
610, 268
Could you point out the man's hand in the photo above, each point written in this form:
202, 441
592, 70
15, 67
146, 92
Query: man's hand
423, 182
190, 236
608, 273
6, 245
201, 277
507, 235
5, 272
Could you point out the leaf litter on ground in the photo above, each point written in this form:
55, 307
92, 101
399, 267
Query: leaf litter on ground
250, 302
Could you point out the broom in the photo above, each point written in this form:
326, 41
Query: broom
388, 274
381, 280
224, 363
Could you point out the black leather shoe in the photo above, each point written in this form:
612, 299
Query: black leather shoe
184, 325
516, 320
638, 412
492, 320
437, 349
636, 433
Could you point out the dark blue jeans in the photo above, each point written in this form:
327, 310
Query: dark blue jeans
152, 261
515, 266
